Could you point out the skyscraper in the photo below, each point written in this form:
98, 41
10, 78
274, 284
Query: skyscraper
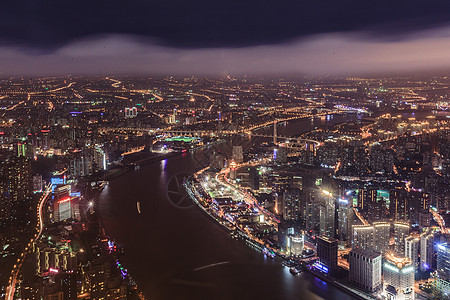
291, 204
15, 190
398, 278
401, 231
426, 249
412, 249
365, 269
327, 251
345, 220
238, 154
327, 215
363, 237
443, 269
253, 178
399, 206
382, 234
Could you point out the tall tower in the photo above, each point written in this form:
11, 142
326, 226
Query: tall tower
219, 114
219, 123
275, 132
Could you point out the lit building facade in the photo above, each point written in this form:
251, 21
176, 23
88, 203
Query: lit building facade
382, 234
401, 231
442, 283
412, 249
426, 249
398, 278
363, 237
327, 251
365, 269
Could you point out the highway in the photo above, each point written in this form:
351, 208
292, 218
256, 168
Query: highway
438, 218
40, 227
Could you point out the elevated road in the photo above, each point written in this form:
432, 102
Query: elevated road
10, 290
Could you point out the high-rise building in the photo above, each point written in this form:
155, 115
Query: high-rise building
291, 205
426, 249
399, 205
381, 160
52, 258
365, 269
253, 178
327, 251
401, 231
327, 215
238, 154
376, 210
365, 198
38, 184
65, 206
280, 154
425, 218
412, 249
25, 150
382, 234
308, 154
285, 229
88, 161
345, 220
295, 244
398, 278
442, 283
363, 236
361, 160
15, 190
233, 170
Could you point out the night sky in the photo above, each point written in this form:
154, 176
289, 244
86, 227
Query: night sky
218, 37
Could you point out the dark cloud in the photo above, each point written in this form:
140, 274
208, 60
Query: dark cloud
324, 54
50, 24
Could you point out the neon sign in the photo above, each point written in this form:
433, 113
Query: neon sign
64, 200
321, 267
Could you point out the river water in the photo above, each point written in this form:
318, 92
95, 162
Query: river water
175, 251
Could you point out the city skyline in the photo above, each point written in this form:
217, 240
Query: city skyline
225, 150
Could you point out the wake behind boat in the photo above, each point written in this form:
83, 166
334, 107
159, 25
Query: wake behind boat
294, 271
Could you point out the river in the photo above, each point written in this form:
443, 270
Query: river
177, 252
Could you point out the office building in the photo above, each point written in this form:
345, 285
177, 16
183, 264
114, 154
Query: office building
64, 206
15, 190
280, 154
327, 251
442, 283
365, 269
233, 170
327, 214
345, 220
291, 205
398, 278
295, 244
253, 178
